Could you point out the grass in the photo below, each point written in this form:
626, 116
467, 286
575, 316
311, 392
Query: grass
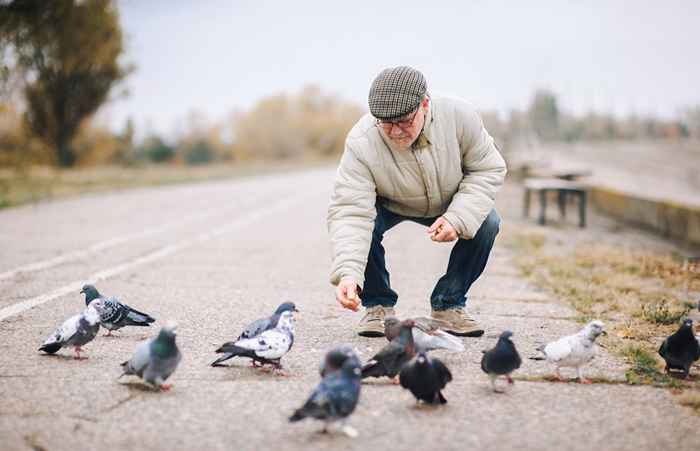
641, 296
18, 187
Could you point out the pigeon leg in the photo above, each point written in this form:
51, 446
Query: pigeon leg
510, 379
77, 353
493, 383
108, 334
581, 379
349, 430
557, 374
166, 387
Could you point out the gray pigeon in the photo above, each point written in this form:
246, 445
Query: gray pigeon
257, 327
502, 360
76, 331
335, 358
392, 357
680, 349
268, 347
574, 350
335, 398
427, 334
425, 377
116, 315
155, 359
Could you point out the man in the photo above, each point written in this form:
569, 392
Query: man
420, 159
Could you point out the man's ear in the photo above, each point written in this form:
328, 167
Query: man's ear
425, 102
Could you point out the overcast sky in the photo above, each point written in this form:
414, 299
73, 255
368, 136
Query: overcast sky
214, 56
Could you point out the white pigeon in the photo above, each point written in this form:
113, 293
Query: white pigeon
574, 350
268, 347
76, 331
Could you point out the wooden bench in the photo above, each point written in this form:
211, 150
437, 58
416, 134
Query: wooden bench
563, 188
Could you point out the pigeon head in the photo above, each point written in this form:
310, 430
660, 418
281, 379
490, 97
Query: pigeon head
336, 358
164, 344
422, 358
687, 323
171, 326
594, 329
351, 369
391, 327
505, 335
286, 307
90, 293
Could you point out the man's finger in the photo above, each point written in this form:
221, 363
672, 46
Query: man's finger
435, 226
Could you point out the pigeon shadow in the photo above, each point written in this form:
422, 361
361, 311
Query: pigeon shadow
65, 357
140, 387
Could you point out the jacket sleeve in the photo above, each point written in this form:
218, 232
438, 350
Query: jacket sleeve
484, 172
351, 216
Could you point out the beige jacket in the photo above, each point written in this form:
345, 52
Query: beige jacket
455, 172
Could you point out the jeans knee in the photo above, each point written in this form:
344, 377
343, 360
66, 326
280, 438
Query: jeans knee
491, 224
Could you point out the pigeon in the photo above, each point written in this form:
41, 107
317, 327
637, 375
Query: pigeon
335, 397
502, 360
425, 377
574, 350
427, 334
680, 349
390, 359
335, 358
116, 315
155, 359
257, 327
268, 347
76, 331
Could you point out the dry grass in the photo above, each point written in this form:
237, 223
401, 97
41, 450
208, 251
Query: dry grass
640, 296
690, 399
19, 187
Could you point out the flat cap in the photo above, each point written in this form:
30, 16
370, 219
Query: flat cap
396, 92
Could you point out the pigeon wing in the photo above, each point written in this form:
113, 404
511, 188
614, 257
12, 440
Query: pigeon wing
62, 334
139, 361
559, 350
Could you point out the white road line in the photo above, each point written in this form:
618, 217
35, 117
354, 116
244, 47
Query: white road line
163, 252
107, 244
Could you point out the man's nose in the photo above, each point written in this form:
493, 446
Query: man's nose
395, 131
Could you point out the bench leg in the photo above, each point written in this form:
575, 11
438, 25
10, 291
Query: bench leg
561, 201
583, 199
526, 203
543, 206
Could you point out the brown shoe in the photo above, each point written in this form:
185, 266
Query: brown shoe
372, 324
458, 322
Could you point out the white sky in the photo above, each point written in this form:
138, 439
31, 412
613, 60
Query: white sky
214, 56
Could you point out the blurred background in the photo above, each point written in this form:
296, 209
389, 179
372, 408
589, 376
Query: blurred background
99, 94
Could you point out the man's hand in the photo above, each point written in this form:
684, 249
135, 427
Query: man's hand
442, 231
346, 294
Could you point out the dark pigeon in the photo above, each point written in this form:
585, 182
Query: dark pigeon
335, 358
335, 398
502, 360
392, 357
425, 377
116, 315
680, 349
76, 331
257, 327
155, 359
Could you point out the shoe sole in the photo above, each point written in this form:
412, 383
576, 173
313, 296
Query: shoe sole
370, 334
474, 333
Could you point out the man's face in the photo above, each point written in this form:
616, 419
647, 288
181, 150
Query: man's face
405, 130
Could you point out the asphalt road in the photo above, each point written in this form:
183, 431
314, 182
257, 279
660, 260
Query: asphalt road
215, 256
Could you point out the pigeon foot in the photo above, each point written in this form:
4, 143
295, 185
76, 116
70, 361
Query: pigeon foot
350, 431
166, 387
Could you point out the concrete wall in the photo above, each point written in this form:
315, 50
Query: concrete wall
673, 220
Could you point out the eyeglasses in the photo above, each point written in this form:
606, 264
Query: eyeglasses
404, 124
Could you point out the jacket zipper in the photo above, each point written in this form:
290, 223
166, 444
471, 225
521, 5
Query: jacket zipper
423, 177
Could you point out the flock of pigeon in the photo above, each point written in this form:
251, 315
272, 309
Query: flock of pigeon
404, 359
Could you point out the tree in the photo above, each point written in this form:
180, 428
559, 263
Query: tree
544, 115
68, 51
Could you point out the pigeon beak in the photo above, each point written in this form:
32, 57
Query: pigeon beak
604, 333
82, 291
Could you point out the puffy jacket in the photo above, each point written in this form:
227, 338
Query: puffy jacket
454, 171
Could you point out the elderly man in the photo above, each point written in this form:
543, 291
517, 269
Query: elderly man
422, 159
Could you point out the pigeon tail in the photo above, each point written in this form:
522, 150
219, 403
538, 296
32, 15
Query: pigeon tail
136, 318
372, 369
440, 399
298, 415
50, 348
222, 359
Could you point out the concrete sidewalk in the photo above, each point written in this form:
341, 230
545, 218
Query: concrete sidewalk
215, 287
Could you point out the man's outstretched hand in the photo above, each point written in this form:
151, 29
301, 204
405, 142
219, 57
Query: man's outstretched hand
442, 231
346, 294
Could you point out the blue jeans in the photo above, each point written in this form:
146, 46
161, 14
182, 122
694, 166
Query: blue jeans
467, 262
